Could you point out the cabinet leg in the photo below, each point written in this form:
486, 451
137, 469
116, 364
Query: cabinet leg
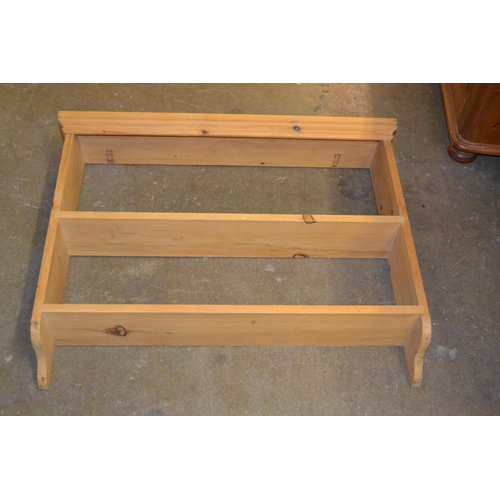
460, 156
44, 348
415, 347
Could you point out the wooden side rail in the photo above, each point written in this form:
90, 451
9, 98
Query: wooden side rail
227, 151
236, 325
228, 235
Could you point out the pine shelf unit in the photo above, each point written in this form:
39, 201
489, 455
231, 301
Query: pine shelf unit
233, 140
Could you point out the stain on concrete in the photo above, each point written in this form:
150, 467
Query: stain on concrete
355, 185
220, 359
445, 352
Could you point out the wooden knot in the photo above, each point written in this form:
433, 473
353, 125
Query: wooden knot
117, 330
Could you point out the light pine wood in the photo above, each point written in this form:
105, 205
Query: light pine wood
69, 180
51, 283
403, 263
228, 235
55, 260
388, 201
52, 277
403, 283
223, 151
44, 346
415, 346
252, 140
242, 325
220, 125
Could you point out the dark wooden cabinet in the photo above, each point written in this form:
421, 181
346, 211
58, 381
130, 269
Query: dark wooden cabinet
473, 119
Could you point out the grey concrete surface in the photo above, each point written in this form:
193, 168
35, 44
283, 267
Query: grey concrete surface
454, 210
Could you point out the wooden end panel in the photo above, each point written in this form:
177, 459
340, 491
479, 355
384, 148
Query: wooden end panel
403, 263
405, 271
386, 183
415, 347
44, 346
69, 179
227, 235
50, 290
213, 325
402, 276
55, 261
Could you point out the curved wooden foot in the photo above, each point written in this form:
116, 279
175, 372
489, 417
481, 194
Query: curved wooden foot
460, 156
415, 346
44, 348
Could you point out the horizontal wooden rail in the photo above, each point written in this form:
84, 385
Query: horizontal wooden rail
220, 125
227, 151
224, 325
227, 235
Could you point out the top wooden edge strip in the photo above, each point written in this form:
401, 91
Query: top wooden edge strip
231, 309
199, 216
224, 125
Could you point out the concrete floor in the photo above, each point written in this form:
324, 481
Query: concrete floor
455, 214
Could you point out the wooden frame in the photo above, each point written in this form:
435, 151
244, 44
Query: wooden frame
246, 140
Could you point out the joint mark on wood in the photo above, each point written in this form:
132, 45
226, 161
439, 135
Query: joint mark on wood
109, 156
